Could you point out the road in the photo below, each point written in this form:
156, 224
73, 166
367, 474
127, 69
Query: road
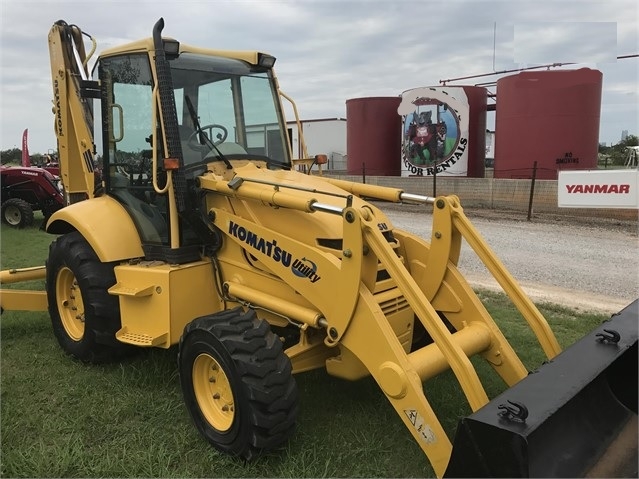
582, 266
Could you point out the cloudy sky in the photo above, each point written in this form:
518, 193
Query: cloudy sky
329, 51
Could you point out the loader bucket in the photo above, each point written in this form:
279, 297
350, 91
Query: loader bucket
576, 416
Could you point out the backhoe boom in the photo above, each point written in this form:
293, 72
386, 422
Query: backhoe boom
73, 123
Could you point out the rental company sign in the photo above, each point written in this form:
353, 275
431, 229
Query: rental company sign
434, 131
598, 189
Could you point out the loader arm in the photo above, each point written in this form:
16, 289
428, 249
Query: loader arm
73, 122
355, 322
427, 278
450, 226
401, 374
582, 402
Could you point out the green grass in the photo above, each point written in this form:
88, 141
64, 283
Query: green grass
62, 418
27, 247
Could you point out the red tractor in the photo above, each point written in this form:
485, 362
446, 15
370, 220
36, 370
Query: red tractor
25, 190
50, 164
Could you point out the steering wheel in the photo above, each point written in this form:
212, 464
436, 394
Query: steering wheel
143, 175
194, 143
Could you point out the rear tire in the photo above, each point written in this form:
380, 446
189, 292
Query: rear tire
17, 213
84, 316
237, 383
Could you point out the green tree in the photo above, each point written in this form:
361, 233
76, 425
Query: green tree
631, 140
618, 154
13, 155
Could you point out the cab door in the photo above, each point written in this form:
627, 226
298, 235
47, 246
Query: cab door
127, 129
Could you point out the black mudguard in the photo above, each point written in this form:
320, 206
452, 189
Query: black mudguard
576, 416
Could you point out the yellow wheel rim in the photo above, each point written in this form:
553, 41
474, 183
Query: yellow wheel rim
70, 305
213, 392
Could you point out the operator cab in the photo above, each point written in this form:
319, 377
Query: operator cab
227, 109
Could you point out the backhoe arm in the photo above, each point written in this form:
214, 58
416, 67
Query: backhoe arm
73, 123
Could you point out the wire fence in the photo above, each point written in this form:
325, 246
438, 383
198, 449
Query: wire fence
517, 190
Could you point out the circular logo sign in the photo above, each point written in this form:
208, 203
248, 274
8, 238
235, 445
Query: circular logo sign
431, 133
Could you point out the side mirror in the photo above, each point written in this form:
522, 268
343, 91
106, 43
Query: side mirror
321, 159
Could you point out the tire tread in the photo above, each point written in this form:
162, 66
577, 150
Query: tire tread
265, 373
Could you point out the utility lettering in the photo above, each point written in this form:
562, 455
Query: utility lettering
305, 268
623, 189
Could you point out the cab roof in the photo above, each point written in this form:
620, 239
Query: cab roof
146, 45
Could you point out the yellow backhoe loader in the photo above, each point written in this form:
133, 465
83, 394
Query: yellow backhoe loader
204, 235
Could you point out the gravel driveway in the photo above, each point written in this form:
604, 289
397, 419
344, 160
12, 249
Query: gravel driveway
584, 266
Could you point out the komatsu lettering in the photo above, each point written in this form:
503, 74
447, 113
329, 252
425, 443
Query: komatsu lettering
58, 112
269, 248
303, 268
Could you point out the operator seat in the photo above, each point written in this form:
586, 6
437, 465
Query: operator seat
147, 217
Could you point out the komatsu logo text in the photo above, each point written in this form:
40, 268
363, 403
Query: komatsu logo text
58, 113
300, 267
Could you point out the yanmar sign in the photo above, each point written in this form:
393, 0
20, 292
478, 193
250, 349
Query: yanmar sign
598, 189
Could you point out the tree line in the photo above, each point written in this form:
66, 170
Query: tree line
617, 155
14, 155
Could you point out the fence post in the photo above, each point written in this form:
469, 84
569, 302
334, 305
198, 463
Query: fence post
435, 180
363, 172
532, 190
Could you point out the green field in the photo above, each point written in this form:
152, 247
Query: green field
63, 418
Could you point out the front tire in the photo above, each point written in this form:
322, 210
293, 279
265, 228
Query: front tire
237, 383
84, 316
17, 213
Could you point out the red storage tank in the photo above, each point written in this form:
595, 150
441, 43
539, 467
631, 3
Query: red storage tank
551, 117
373, 136
477, 102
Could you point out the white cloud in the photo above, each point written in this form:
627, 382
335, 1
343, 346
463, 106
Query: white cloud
327, 51
577, 42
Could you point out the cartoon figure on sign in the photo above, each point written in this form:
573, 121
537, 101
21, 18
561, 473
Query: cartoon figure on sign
442, 130
422, 135
434, 131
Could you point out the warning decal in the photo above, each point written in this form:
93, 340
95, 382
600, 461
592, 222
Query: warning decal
424, 430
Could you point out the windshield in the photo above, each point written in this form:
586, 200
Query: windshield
231, 102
